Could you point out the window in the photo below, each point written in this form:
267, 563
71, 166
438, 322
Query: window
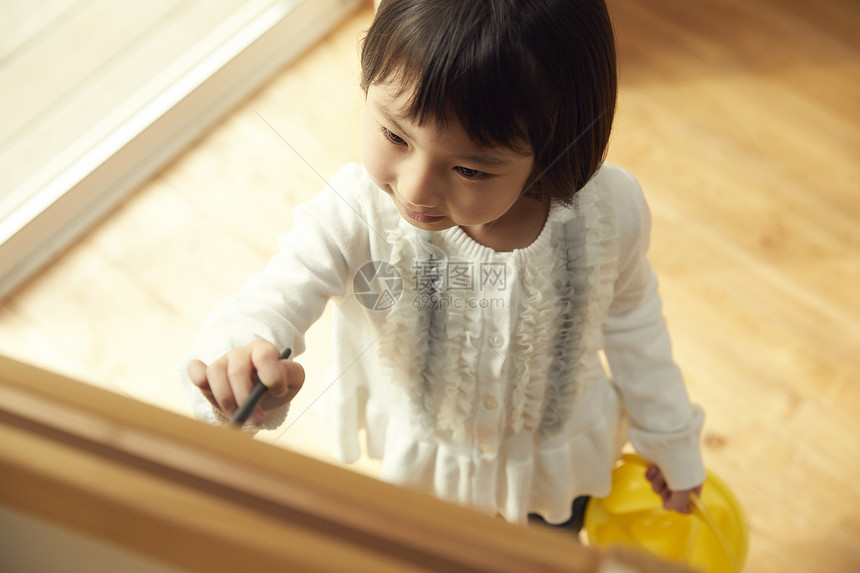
99, 94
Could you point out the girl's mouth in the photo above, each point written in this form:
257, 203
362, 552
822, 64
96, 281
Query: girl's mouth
420, 217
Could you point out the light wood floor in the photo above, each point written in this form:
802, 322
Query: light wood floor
741, 120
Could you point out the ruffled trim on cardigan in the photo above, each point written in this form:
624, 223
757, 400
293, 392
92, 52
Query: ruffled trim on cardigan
461, 345
530, 381
583, 290
408, 333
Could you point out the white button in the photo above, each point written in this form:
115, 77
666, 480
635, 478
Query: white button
496, 340
490, 403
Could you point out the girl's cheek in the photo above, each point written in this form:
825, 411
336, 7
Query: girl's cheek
375, 168
379, 166
372, 156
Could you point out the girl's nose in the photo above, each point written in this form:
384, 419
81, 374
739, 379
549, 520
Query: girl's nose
417, 185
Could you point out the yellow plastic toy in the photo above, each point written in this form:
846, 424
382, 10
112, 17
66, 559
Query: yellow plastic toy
713, 538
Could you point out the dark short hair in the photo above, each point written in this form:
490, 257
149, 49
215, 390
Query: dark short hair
540, 72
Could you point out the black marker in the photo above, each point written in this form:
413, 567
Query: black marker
241, 415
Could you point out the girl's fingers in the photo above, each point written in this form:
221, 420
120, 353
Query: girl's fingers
658, 482
651, 473
197, 373
240, 372
675, 500
257, 416
678, 501
283, 378
266, 361
295, 376
219, 382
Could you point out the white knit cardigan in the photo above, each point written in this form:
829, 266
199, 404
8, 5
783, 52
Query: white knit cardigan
482, 384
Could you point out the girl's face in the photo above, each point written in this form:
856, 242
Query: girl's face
437, 177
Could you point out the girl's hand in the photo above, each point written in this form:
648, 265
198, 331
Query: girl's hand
675, 500
228, 381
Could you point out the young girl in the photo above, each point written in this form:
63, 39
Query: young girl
479, 262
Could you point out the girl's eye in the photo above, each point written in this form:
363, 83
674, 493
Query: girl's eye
471, 173
393, 137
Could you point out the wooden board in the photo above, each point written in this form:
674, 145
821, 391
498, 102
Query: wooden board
206, 499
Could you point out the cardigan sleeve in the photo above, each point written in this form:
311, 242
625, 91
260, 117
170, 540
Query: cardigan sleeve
280, 303
664, 426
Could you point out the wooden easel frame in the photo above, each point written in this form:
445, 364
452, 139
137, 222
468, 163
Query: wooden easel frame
206, 498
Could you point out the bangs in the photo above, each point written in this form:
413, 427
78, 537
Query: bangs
474, 72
